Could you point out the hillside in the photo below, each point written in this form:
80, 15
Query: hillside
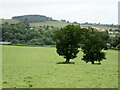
53, 23
62, 24
40, 20
33, 18
11, 21
50, 23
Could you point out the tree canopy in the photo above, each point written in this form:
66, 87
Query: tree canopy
22, 34
72, 37
67, 41
33, 18
93, 44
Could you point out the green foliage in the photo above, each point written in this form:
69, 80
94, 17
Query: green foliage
67, 41
22, 34
71, 37
33, 18
92, 45
118, 46
0, 32
34, 41
114, 41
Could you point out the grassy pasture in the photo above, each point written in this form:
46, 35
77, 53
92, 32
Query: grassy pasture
50, 23
36, 67
62, 24
12, 21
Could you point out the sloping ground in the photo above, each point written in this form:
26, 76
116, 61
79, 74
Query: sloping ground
53, 23
11, 21
62, 24
101, 28
50, 23
36, 67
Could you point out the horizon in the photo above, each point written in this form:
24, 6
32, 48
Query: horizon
93, 11
58, 20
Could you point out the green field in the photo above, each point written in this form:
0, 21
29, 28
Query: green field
62, 24
100, 27
50, 23
36, 67
12, 21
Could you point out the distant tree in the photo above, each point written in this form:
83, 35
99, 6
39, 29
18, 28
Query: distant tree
93, 44
52, 26
68, 22
20, 34
67, 41
116, 41
118, 46
38, 41
63, 20
0, 33
75, 22
15, 41
48, 41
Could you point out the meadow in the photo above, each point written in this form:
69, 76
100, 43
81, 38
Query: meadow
62, 24
50, 23
36, 67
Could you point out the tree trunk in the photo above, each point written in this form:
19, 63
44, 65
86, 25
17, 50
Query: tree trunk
67, 60
92, 62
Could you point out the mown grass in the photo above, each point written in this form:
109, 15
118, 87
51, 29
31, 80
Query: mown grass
36, 67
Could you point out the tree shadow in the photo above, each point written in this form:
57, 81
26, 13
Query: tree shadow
97, 64
65, 63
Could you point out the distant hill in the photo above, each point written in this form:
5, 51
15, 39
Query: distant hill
33, 18
11, 21
50, 23
40, 20
62, 24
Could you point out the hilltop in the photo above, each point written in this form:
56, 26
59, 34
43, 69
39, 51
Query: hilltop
40, 20
33, 18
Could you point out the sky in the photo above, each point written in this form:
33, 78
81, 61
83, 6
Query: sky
92, 11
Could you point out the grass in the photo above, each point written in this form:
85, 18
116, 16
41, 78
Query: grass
107, 28
50, 23
98, 27
62, 24
36, 67
12, 21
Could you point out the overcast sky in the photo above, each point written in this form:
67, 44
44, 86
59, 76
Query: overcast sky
93, 11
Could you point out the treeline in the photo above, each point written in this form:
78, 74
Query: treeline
114, 42
0, 33
33, 18
22, 34
98, 24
